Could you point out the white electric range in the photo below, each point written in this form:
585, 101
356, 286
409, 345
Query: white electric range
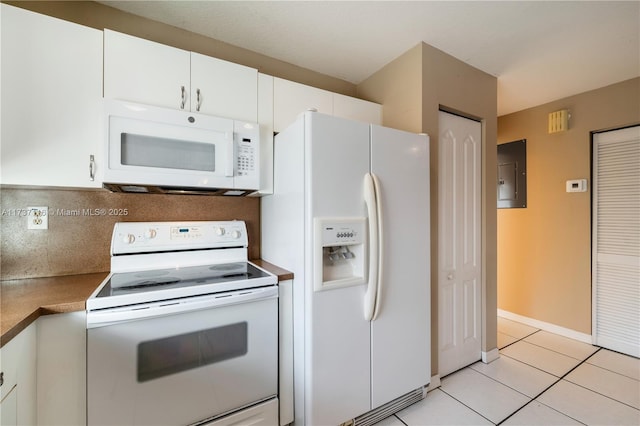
184, 330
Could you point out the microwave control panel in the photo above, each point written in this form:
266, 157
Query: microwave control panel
246, 158
247, 149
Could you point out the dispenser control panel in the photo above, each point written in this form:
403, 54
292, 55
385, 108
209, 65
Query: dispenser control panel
342, 233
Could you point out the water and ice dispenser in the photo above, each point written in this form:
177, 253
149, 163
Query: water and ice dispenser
339, 252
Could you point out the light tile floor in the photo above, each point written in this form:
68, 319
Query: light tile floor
540, 379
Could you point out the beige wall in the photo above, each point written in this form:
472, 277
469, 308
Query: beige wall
544, 250
412, 89
398, 86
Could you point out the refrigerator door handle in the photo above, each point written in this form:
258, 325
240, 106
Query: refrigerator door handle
372, 213
380, 236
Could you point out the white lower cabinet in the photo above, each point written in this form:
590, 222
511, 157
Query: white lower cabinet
51, 101
61, 368
285, 366
18, 391
9, 408
44, 373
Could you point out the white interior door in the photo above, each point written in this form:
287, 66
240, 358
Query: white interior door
459, 233
616, 240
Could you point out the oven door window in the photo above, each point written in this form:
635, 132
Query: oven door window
175, 354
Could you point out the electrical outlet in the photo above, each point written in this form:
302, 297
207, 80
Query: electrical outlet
38, 218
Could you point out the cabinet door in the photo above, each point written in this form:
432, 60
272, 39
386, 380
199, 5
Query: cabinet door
146, 72
9, 408
9, 367
285, 347
19, 387
265, 119
61, 365
291, 99
51, 100
225, 89
357, 109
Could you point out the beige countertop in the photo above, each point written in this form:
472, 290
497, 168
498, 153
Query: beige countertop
23, 301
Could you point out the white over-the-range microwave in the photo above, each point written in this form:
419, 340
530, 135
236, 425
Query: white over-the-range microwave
160, 150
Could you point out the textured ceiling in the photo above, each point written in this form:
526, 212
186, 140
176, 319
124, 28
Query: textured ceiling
539, 50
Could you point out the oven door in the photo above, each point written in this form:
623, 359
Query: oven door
178, 363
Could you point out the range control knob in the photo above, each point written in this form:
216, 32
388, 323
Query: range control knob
236, 234
150, 233
220, 231
129, 239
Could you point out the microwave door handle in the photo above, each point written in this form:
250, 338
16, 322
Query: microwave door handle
230, 154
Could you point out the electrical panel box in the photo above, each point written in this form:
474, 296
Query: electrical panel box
512, 174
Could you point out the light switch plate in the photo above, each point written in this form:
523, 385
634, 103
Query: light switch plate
577, 185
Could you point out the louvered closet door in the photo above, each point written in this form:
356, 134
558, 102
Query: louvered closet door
616, 240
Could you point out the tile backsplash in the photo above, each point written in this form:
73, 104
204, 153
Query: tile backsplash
81, 222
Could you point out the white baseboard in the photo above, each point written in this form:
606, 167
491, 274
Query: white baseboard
492, 355
552, 328
434, 384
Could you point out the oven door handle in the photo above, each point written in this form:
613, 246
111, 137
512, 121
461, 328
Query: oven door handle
105, 317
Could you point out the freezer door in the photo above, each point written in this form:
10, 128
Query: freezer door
337, 159
337, 344
400, 335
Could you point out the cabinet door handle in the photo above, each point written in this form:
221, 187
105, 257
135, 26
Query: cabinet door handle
198, 100
183, 97
92, 168
1, 378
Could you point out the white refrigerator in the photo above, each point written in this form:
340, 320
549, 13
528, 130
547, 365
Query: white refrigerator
349, 217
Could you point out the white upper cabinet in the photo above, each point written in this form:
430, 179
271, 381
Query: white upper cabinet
147, 72
223, 88
51, 101
265, 120
356, 109
290, 99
